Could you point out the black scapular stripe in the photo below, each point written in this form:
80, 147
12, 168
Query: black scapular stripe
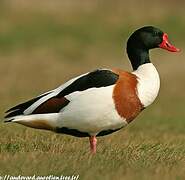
96, 79
19, 109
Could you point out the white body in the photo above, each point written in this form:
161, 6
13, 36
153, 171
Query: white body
93, 110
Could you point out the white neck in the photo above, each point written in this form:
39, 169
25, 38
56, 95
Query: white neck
148, 83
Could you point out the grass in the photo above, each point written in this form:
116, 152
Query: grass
43, 45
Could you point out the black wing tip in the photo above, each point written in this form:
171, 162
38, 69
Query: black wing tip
22, 106
15, 108
9, 110
7, 116
14, 113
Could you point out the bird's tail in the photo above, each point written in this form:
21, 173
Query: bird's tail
39, 121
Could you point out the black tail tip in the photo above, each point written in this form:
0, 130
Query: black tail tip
8, 120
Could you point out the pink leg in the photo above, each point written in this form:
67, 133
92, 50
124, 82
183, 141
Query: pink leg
93, 141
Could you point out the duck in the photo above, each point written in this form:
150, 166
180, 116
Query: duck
102, 101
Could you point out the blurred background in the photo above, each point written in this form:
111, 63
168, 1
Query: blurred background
45, 43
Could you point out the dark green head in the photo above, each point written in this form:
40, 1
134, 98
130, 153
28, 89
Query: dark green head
144, 39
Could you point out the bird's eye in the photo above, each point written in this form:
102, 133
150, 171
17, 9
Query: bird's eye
155, 33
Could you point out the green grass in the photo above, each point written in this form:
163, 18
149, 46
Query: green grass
124, 154
43, 45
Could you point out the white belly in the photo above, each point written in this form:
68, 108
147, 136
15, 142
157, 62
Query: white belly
148, 83
91, 111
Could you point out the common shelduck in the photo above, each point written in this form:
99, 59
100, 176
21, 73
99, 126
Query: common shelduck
102, 101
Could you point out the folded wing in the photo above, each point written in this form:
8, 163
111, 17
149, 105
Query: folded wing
53, 101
